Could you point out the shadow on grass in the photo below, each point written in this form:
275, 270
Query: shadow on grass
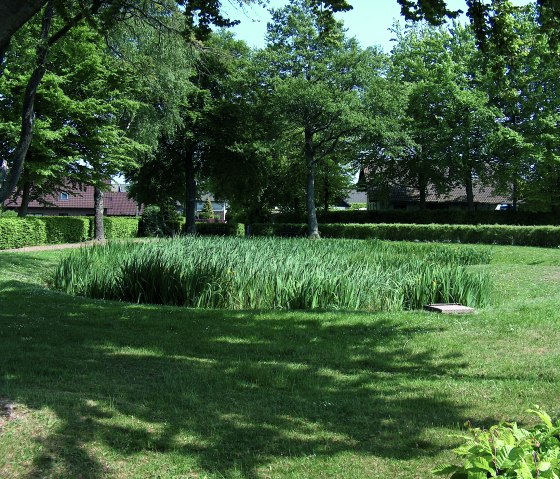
225, 391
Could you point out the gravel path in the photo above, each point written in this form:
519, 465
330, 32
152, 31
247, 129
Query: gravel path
49, 247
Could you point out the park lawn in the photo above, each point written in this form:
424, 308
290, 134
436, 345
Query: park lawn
106, 389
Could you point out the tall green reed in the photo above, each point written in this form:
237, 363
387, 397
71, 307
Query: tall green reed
273, 273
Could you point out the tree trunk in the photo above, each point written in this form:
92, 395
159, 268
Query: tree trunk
469, 190
15, 14
98, 226
3, 49
422, 186
25, 195
312, 224
10, 174
191, 193
514, 195
326, 195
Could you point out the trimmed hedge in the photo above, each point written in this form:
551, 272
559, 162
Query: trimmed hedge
450, 217
120, 227
36, 231
219, 229
20, 232
548, 236
65, 229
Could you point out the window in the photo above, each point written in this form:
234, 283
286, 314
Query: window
64, 196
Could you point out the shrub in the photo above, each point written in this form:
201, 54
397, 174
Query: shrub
66, 229
8, 213
151, 222
207, 212
487, 234
220, 229
265, 273
506, 450
20, 232
120, 227
428, 217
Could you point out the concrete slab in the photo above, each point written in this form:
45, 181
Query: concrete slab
449, 308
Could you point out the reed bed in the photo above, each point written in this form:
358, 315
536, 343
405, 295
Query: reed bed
273, 273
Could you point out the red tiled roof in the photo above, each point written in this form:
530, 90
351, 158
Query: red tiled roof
116, 203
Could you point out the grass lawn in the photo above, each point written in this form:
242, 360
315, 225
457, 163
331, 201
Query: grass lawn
114, 390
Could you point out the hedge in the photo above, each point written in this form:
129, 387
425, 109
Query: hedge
65, 229
488, 234
220, 229
36, 231
120, 227
20, 232
451, 217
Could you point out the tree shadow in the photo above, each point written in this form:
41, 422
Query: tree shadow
232, 391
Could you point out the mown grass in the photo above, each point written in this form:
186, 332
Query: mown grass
114, 390
273, 273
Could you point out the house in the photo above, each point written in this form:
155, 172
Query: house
406, 198
355, 200
219, 208
79, 202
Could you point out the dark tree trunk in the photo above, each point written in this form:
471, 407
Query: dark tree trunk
15, 14
3, 49
326, 195
469, 191
10, 174
312, 224
25, 195
422, 186
98, 226
191, 193
514, 195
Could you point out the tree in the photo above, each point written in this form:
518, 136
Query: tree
207, 212
314, 87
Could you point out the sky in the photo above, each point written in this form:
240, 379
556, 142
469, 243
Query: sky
369, 21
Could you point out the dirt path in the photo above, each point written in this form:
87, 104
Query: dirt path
49, 247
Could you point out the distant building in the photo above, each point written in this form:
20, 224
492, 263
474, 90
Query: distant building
219, 208
405, 198
79, 202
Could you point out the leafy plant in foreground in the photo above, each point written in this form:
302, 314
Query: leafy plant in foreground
506, 450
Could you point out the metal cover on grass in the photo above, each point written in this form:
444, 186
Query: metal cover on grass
450, 308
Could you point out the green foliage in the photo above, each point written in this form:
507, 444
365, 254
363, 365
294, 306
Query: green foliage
548, 236
279, 274
7, 213
31, 231
151, 222
220, 229
20, 232
66, 229
506, 450
120, 228
207, 212
450, 217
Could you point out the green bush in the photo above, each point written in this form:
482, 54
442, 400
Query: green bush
20, 232
8, 213
508, 451
66, 229
120, 227
151, 222
219, 229
548, 236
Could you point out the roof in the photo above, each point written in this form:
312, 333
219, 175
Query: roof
482, 194
116, 203
356, 197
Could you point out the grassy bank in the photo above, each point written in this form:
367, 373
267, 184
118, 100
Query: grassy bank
114, 390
